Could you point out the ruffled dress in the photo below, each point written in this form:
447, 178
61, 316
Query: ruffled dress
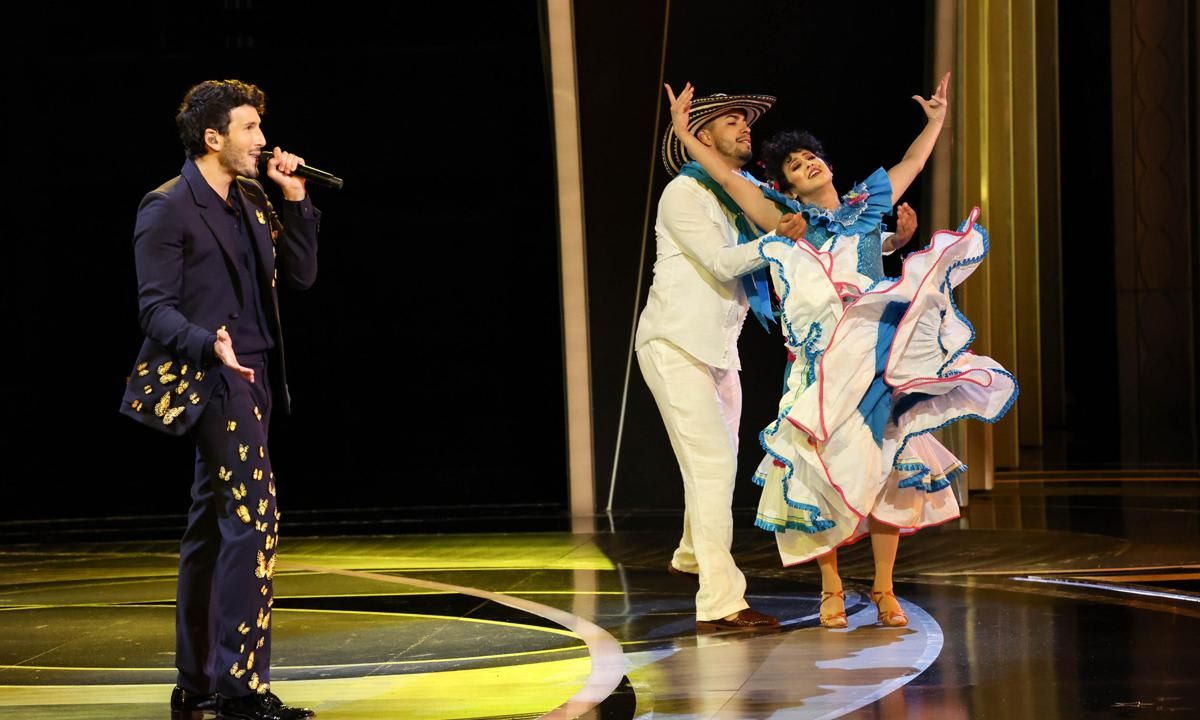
877, 365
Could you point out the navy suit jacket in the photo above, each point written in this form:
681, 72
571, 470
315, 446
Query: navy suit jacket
189, 286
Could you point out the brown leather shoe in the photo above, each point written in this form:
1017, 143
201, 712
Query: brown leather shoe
694, 577
748, 619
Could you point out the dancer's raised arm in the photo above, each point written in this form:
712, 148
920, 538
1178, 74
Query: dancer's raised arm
904, 172
761, 211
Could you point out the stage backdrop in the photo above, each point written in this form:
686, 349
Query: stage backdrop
845, 75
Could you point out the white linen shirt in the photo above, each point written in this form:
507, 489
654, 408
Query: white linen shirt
696, 301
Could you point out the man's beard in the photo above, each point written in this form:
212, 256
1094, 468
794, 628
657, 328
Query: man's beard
736, 152
239, 163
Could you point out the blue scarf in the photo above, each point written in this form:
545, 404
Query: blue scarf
755, 283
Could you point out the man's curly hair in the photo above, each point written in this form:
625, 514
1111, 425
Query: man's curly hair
208, 104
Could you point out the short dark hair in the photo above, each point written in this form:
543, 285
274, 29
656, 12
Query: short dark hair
779, 148
207, 105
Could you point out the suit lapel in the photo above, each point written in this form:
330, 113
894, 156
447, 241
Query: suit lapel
211, 211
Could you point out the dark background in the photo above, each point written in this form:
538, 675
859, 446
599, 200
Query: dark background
426, 363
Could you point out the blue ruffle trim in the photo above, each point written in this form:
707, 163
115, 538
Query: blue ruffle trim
769, 526
944, 286
773, 428
787, 288
819, 524
862, 208
811, 352
920, 472
904, 407
969, 416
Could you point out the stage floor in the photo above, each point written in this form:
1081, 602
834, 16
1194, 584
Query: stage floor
1048, 600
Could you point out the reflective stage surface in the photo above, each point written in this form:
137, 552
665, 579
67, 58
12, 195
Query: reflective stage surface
1054, 600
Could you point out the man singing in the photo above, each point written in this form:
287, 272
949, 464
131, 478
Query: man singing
210, 250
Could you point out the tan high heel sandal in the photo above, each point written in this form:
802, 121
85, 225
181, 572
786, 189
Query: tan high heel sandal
834, 621
889, 618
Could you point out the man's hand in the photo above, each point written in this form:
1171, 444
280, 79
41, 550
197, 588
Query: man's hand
223, 348
792, 226
280, 168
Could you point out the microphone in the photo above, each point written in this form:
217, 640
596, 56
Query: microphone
307, 172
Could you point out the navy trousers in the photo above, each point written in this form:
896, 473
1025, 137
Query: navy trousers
227, 556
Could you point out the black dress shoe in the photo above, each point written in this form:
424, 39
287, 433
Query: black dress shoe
191, 706
259, 706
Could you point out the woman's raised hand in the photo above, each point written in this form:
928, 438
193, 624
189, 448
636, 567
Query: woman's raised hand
681, 108
935, 107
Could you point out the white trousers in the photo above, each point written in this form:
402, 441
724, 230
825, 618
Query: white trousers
701, 407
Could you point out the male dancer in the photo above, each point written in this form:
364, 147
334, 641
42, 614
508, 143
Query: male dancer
687, 348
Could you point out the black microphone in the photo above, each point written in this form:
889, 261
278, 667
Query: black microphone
307, 172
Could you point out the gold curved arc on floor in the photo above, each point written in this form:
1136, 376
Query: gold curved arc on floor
378, 663
608, 661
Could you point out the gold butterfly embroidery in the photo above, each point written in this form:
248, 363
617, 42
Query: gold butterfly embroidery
232, 425
243, 514
164, 402
239, 492
182, 387
253, 682
172, 414
195, 398
243, 628
262, 507
224, 474
168, 378
143, 369
242, 451
258, 413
